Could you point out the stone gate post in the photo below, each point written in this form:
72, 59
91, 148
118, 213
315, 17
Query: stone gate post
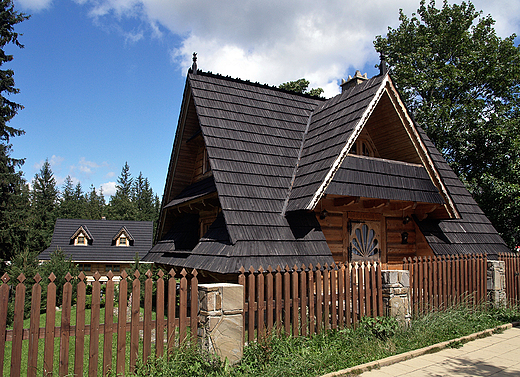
221, 329
396, 295
496, 282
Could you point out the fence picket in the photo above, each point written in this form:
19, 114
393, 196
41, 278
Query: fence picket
160, 322
134, 319
48, 352
65, 326
16, 352
109, 321
147, 318
94, 326
32, 357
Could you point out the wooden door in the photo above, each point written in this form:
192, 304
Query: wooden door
364, 240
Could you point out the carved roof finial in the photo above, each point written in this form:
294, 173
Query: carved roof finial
194, 65
383, 67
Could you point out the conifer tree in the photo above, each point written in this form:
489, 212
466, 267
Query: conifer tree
44, 202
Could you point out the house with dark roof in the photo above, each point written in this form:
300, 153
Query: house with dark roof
101, 245
260, 176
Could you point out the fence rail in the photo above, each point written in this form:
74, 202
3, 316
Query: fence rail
173, 323
437, 282
306, 300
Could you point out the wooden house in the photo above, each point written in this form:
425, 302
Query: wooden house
260, 176
101, 245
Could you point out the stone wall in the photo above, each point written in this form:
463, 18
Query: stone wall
496, 282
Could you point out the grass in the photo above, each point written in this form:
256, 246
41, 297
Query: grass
334, 350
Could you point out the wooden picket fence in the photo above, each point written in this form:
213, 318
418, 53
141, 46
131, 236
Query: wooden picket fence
307, 300
438, 282
512, 272
173, 323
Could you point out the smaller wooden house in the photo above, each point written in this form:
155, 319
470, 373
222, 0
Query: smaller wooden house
260, 176
101, 245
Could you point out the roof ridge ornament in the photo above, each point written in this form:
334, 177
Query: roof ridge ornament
383, 67
194, 65
353, 81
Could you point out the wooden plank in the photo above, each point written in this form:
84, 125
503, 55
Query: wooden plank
194, 307
361, 290
183, 307
4, 299
287, 300
303, 301
341, 296
333, 298
279, 299
348, 295
326, 297
147, 331
295, 322
261, 304
242, 282
121, 325
108, 328
32, 357
65, 326
16, 350
319, 299
269, 299
310, 287
368, 290
160, 324
251, 295
48, 352
94, 326
134, 320
172, 295
79, 346
355, 300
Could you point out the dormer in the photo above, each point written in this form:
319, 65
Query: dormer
123, 238
81, 237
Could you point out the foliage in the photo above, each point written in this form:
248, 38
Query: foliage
380, 327
186, 360
14, 205
333, 350
60, 265
461, 82
44, 202
8, 109
13, 198
300, 86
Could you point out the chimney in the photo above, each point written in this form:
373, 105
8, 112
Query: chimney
353, 81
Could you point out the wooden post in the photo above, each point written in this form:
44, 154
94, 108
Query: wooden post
94, 326
48, 353
147, 318
109, 324
172, 301
19, 303
79, 346
134, 320
160, 323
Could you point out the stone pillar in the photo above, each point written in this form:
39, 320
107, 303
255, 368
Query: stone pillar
496, 282
221, 328
396, 295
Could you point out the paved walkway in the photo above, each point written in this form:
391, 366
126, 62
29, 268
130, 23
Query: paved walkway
496, 355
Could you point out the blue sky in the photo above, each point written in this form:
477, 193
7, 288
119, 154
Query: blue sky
102, 80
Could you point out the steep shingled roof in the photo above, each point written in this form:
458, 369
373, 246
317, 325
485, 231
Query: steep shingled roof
274, 153
102, 248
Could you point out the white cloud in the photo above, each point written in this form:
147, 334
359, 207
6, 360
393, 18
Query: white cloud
109, 188
54, 161
34, 5
274, 41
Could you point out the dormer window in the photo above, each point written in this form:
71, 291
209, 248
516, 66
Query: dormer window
123, 238
81, 237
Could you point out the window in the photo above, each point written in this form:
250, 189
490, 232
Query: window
363, 148
122, 240
113, 267
85, 267
205, 161
80, 240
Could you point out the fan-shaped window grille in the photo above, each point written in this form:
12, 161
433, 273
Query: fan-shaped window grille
364, 243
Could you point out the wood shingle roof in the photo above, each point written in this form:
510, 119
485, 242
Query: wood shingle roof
274, 154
